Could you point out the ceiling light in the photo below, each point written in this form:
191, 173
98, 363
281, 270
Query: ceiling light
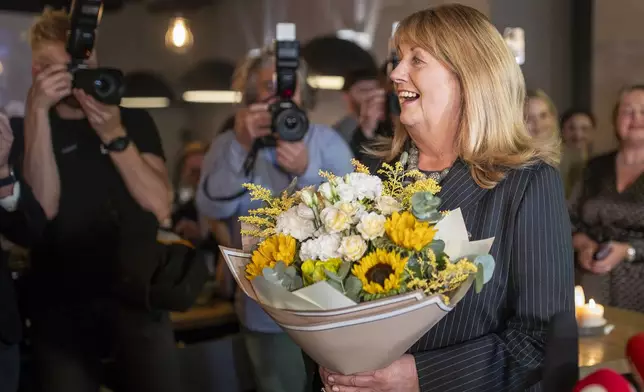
360, 38
325, 82
178, 37
145, 102
212, 96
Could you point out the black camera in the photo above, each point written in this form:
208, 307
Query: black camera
106, 85
289, 122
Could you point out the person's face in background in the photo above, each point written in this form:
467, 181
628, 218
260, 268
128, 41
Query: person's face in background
577, 131
191, 171
265, 85
358, 92
630, 118
541, 120
50, 53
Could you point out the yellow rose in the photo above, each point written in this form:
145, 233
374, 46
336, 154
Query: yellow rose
371, 226
353, 247
313, 271
335, 220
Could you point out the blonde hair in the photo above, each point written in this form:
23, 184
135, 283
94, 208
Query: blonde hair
492, 136
243, 79
51, 26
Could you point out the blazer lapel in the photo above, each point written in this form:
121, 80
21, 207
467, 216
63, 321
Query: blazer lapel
459, 189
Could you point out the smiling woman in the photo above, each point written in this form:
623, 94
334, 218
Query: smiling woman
462, 100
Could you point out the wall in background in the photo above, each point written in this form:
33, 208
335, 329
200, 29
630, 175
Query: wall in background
548, 44
618, 56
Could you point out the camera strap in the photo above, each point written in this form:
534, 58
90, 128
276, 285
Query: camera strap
248, 166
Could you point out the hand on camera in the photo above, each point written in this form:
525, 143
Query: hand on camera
251, 123
50, 86
105, 119
293, 157
372, 112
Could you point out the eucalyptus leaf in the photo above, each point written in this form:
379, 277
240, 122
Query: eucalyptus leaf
333, 276
335, 285
479, 279
280, 267
437, 246
295, 283
291, 271
290, 190
487, 262
414, 266
344, 270
353, 287
271, 275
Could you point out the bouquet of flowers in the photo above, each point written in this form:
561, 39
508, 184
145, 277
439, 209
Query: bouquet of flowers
359, 249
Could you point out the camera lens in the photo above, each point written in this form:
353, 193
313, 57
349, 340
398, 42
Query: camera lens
103, 85
291, 124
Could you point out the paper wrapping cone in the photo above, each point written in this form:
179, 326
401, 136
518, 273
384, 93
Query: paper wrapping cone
365, 337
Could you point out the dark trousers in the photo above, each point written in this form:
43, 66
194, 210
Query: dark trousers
9, 367
73, 343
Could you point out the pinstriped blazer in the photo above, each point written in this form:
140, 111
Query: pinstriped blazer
495, 340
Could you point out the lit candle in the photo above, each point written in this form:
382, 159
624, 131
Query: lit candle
580, 298
592, 315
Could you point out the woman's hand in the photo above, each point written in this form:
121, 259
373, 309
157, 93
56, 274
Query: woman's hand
400, 376
618, 253
586, 249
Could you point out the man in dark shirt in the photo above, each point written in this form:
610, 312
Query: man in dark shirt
21, 220
83, 161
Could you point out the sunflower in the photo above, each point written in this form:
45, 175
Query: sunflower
404, 230
380, 271
275, 248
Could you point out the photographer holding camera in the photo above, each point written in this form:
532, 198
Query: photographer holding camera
85, 158
277, 361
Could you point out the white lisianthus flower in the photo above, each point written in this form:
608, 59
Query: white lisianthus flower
323, 248
335, 220
305, 212
326, 190
353, 247
292, 224
345, 193
387, 205
371, 226
307, 198
365, 186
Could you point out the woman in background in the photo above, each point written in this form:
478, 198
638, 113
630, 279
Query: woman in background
185, 219
541, 115
577, 128
607, 207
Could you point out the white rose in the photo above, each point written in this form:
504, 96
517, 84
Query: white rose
322, 248
387, 205
353, 247
345, 192
326, 190
371, 226
292, 224
365, 186
354, 210
305, 212
335, 220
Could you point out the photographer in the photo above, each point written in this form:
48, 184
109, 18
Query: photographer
276, 359
83, 159
377, 112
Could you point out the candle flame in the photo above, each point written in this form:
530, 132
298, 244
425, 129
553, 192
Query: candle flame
580, 298
591, 303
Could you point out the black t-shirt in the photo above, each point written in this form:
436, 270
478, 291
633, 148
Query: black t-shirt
76, 258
